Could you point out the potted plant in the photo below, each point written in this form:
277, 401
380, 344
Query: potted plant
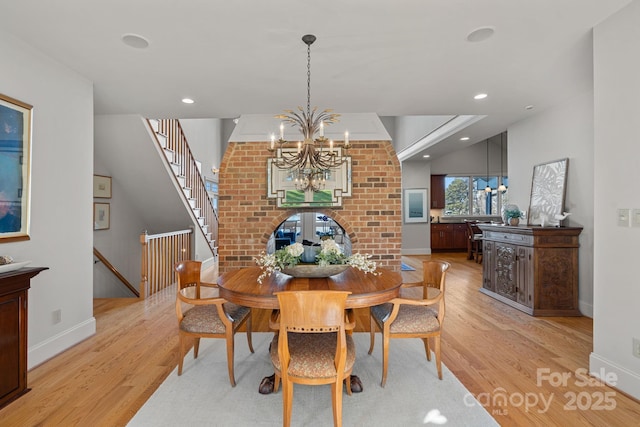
513, 216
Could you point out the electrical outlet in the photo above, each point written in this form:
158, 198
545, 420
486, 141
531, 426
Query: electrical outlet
636, 347
56, 316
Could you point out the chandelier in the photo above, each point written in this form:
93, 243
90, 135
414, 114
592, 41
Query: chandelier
310, 162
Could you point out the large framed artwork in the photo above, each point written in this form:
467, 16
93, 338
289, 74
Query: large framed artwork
415, 205
281, 186
548, 188
15, 169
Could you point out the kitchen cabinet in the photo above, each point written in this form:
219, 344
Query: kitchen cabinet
437, 191
13, 330
441, 236
448, 237
533, 269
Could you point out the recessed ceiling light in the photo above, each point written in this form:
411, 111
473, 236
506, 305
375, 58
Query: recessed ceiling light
480, 96
188, 100
426, 156
464, 138
480, 34
135, 41
529, 107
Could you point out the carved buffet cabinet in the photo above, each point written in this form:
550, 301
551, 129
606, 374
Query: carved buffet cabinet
532, 268
13, 332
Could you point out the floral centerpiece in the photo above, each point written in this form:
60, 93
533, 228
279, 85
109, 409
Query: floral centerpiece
330, 254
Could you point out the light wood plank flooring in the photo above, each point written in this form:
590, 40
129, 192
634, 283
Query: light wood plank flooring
494, 350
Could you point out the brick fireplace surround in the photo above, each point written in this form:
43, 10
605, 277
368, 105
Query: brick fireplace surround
372, 217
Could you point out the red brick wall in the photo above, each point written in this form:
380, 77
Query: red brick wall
372, 216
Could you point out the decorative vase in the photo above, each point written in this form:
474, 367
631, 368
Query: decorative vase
514, 221
314, 270
309, 254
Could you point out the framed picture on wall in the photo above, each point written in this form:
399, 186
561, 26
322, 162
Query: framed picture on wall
15, 169
102, 186
281, 185
415, 205
101, 216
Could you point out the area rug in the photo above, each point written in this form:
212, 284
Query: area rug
413, 395
405, 267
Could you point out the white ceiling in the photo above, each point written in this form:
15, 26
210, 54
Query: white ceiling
398, 58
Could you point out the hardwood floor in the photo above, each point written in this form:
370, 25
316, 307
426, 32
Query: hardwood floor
497, 352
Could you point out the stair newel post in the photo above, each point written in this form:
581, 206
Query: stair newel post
144, 264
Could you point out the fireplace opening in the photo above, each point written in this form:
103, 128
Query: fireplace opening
308, 228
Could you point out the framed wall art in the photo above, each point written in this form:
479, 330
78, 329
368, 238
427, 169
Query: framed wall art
102, 186
548, 188
415, 205
101, 216
281, 186
15, 169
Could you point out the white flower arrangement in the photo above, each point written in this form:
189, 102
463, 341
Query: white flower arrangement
329, 254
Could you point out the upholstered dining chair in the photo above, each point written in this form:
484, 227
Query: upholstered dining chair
312, 346
206, 315
413, 316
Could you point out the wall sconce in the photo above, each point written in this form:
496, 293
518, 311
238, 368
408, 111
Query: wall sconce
214, 170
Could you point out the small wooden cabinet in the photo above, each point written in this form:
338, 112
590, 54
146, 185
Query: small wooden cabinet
533, 269
13, 332
437, 191
449, 237
441, 236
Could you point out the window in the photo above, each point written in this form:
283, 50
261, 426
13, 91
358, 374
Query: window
466, 195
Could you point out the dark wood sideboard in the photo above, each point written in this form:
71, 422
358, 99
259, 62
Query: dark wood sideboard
13, 332
532, 268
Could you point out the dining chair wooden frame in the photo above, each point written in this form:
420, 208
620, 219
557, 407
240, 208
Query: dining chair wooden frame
208, 316
415, 317
310, 322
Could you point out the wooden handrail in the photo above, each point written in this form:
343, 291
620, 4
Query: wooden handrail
110, 266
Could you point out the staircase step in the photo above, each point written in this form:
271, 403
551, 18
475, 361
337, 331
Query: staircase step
196, 212
181, 179
169, 154
162, 139
192, 202
187, 192
177, 168
201, 221
155, 125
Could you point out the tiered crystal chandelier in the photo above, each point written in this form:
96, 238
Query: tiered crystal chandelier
310, 164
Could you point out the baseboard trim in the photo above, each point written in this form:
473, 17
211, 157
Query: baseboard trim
626, 381
586, 309
55, 345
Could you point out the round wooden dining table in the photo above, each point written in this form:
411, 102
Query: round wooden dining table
241, 286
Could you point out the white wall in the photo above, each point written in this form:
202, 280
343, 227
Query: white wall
61, 197
416, 238
565, 131
203, 136
616, 172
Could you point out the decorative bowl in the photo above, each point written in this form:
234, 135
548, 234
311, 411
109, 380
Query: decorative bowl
313, 270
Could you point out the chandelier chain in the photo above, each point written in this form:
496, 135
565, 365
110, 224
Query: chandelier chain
309, 79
